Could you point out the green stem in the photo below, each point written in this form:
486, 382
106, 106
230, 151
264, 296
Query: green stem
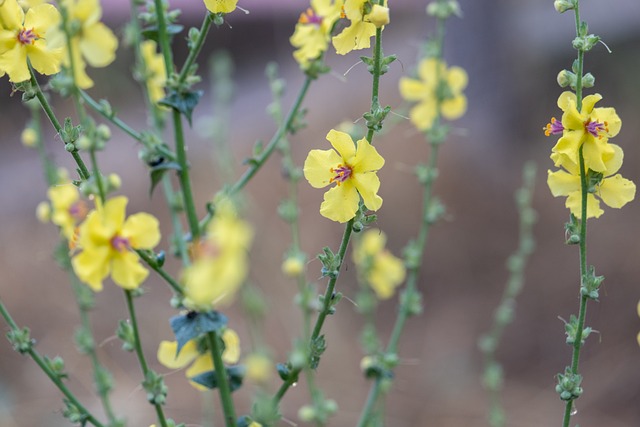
223, 382
109, 115
154, 266
260, 160
577, 345
139, 353
163, 38
183, 175
52, 375
82, 168
195, 50
377, 67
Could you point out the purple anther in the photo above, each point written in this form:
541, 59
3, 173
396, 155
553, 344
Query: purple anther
120, 243
594, 128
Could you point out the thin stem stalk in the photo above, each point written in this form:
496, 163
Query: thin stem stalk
223, 382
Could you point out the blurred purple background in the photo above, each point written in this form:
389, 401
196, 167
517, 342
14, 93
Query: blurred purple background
512, 51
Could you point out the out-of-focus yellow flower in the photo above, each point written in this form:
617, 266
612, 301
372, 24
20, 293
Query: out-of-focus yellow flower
358, 34
220, 261
259, 367
377, 266
221, 6
293, 266
107, 241
313, 30
43, 212
29, 137
91, 40
67, 208
438, 90
27, 4
156, 74
589, 128
614, 190
26, 37
198, 355
354, 171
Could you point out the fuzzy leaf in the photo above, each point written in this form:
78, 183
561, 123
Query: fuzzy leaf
193, 324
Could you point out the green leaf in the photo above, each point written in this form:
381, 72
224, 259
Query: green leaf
209, 379
193, 324
158, 170
151, 32
184, 102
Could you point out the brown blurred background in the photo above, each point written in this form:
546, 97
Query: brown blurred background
512, 51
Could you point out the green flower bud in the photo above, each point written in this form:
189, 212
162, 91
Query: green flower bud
562, 6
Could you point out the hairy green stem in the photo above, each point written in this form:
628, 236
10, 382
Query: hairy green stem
110, 116
197, 47
223, 382
82, 168
577, 345
139, 353
39, 360
173, 283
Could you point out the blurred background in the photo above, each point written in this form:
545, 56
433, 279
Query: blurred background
512, 52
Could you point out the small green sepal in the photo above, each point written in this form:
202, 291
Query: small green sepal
192, 324
568, 386
318, 347
74, 414
56, 365
155, 387
126, 335
591, 283
21, 340
330, 263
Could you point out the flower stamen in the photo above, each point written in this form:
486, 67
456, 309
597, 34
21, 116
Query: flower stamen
553, 128
342, 174
310, 17
120, 243
27, 36
596, 129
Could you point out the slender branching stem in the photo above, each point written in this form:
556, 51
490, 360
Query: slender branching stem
223, 382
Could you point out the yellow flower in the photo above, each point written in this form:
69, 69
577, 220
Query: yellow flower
29, 137
376, 265
91, 40
220, 263
259, 367
293, 266
156, 74
27, 4
590, 128
438, 91
198, 355
67, 209
107, 241
221, 6
353, 170
25, 36
614, 190
358, 34
313, 30
379, 15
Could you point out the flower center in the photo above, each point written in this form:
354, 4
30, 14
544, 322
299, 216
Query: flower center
342, 173
78, 210
27, 36
310, 17
553, 128
120, 243
596, 128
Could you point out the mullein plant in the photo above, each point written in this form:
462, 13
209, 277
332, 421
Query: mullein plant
437, 91
589, 164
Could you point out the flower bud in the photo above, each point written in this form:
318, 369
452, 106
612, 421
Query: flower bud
29, 137
114, 181
307, 413
564, 78
43, 212
103, 132
379, 15
563, 5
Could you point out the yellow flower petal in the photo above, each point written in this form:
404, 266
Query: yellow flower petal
424, 113
92, 266
413, 90
231, 353
366, 158
142, 230
454, 108
126, 270
98, 45
14, 63
340, 202
318, 165
342, 143
574, 204
368, 185
202, 364
221, 6
616, 191
169, 357
562, 183
457, 79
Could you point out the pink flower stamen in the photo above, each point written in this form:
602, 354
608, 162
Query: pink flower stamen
120, 243
342, 174
596, 128
310, 17
78, 210
553, 128
27, 36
